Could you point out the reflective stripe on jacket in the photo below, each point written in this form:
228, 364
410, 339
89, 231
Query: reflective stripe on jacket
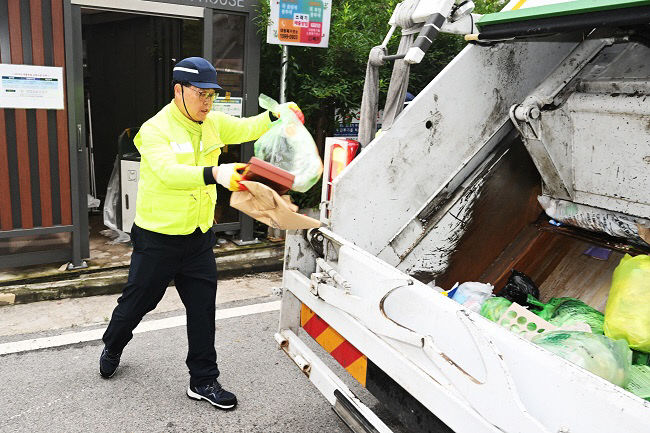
172, 197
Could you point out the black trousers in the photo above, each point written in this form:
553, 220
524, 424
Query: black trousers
157, 259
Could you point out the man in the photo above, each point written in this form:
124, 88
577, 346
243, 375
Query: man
171, 236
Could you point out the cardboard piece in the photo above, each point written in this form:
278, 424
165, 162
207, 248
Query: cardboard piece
644, 233
267, 206
268, 174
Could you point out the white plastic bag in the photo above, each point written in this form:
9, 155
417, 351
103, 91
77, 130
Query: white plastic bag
110, 207
594, 219
472, 294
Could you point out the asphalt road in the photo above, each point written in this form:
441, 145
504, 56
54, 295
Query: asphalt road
60, 390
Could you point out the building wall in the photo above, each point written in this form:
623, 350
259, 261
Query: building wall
34, 150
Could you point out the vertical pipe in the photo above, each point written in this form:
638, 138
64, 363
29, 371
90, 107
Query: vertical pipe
76, 135
62, 115
6, 222
283, 74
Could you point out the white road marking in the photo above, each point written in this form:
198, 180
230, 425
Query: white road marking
150, 325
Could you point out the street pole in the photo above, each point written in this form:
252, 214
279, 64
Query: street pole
273, 232
283, 74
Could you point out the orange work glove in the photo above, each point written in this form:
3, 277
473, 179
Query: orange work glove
229, 176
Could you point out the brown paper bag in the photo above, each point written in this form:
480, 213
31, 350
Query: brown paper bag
644, 233
267, 206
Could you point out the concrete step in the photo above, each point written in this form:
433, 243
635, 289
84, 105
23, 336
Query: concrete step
110, 280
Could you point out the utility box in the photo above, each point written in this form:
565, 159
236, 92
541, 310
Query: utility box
129, 176
129, 159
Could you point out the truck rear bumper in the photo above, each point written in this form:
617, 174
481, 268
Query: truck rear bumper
346, 405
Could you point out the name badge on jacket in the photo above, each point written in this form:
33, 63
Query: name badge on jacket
182, 147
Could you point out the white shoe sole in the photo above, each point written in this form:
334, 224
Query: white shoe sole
191, 394
108, 377
111, 375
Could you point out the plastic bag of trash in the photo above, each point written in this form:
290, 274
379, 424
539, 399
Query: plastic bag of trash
494, 308
472, 294
563, 312
607, 358
627, 313
594, 219
640, 358
640, 381
111, 203
112, 198
573, 311
289, 146
518, 287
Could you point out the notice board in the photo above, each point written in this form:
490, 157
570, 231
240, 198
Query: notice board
27, 86
299, 22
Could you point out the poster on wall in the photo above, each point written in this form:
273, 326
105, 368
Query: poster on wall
27, 86
303, 23
232, 106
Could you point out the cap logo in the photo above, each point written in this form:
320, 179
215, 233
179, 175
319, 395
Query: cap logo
180, 68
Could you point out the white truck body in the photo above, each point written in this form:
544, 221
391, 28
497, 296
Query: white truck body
399, 213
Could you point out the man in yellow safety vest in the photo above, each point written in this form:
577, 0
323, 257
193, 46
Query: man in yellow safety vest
172, 240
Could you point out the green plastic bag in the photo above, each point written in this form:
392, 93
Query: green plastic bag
640, 358
602, 356
493, 308
640, 381
289, 146
567, 311
627, 314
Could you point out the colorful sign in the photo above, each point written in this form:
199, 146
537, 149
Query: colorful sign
299, 22
27, 86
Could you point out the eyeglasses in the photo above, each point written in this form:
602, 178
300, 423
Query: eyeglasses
204, 96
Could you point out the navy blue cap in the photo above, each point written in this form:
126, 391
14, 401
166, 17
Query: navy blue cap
197, 71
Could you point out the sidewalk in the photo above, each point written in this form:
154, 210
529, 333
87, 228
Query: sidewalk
108, 268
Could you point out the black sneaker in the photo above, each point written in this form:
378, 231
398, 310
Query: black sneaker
214, 394
108, 363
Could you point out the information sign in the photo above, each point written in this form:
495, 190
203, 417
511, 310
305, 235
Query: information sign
27, 86
299, 22
232, 106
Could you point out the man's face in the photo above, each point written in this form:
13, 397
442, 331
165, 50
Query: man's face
197, 101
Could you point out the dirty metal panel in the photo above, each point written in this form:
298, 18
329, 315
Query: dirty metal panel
436, 135
433, 210
370, 277
507, 204
617, 64
298, 253
489, 215
611, 152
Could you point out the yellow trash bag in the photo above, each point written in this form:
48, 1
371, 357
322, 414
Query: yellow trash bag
627, 314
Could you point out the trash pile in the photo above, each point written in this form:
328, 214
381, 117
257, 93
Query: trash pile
614, 345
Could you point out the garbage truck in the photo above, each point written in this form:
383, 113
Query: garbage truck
548, 103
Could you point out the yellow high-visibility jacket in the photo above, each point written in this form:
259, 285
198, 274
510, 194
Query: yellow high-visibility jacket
173, 198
